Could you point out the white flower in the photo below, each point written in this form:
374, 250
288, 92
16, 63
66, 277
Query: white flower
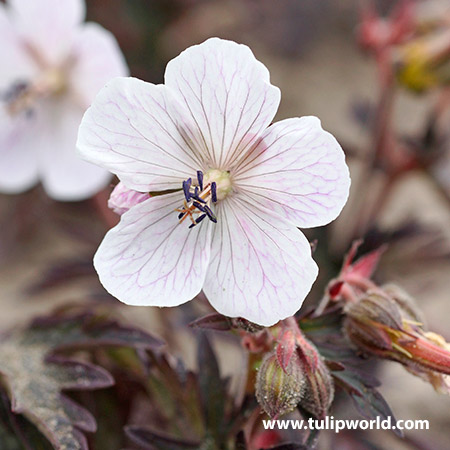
52, 66
249, 186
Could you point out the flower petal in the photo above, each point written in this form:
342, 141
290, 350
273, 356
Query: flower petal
130, 131
261, 266
48, 25
65, 176
151, 259
18, 162
98, 59
228, 93
16, 66
298, 171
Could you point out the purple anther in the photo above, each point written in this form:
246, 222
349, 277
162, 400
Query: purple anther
186, 189
210, 214
198, 198
214, 192
200, 218
200, 179
200, 207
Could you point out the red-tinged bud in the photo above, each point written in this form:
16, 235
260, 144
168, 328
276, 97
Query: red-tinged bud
279, 391
354, 279
376, 33
319, 386
387, 324
285, 348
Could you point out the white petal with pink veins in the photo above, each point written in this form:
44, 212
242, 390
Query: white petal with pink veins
65, 176
151, 259
298, 171
48, 25
227, 92
261, 267
130, 131
97, 59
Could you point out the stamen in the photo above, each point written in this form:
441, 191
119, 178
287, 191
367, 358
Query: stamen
199, 219
210, 214
186, 189
200, 179
214, 192
197, 201
200, 207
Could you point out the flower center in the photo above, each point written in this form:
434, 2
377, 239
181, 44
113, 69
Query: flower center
213, 186
22, 96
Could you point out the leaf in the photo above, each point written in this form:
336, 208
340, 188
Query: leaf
290, 446
61, 272
35, 374
212, 388
149, 439
368, 401
92, 329
215, 322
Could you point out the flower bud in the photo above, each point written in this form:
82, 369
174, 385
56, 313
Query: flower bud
279, 391
319, 386
122, 199
424, 62
319, 390
387, 324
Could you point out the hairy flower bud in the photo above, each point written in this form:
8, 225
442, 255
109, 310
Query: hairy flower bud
319, 387
387, 324
279, 391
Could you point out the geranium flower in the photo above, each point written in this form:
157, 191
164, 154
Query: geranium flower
52, 67
228, 191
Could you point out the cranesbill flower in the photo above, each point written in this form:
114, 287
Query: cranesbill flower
228, 191
52, 67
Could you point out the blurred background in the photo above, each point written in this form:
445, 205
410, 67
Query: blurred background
323, 59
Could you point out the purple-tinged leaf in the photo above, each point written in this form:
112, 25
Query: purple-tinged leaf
79, 417
212, 387
368, 401
79, 375
289, 446
91, 330
149, 439
62, 272
36, 375
215, 322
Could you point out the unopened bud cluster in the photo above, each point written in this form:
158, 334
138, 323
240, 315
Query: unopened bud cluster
294, 374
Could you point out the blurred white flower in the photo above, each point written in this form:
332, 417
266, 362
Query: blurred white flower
246, 186
52, 67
